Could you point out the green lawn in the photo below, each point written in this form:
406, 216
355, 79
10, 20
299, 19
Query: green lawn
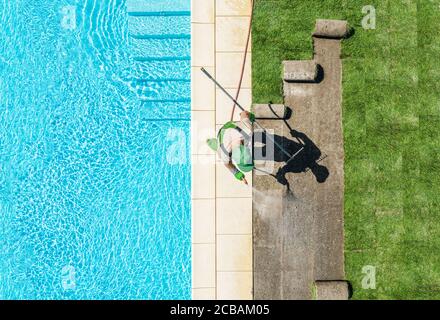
391, 119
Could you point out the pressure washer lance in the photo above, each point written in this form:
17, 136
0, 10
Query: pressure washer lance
291, 157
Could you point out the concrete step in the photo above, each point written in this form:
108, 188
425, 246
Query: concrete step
162, 110
160, 48
158, 25
150, 70
140, 6
160, 38
162, 91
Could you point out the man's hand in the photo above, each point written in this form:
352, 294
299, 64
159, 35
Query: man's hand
299, 136
245, 115
241, 177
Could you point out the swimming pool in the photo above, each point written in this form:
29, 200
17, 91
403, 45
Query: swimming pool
94, 149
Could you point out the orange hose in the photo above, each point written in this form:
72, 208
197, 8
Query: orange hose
244, 60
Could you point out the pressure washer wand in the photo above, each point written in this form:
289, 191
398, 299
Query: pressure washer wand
242, 109
223, 89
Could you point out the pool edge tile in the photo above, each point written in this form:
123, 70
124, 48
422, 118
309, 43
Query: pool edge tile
224, 104
203, 45
204, 293
234, 216
202, 90
233, 8
202, 11
234, 285
228, 66
234, 252
231, 34
202, 129
203, 177
203, 266
203, 221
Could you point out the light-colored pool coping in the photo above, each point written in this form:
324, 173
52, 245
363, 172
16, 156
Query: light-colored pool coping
222, 266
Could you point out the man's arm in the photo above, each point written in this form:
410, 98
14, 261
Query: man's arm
246, 119
299, 135
227, 161
237, 173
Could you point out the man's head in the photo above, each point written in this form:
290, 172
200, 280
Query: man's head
321, 173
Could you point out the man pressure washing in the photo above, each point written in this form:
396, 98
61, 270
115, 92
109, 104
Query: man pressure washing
234, 140
234, 146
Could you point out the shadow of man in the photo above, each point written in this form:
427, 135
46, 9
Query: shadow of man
307, 155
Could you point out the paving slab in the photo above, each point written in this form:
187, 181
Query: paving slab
332, 290
269, 111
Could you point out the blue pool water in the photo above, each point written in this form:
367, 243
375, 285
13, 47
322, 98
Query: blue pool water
94, 149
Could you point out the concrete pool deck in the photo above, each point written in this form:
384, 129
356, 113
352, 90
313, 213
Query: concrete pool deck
298, 233
222, 264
